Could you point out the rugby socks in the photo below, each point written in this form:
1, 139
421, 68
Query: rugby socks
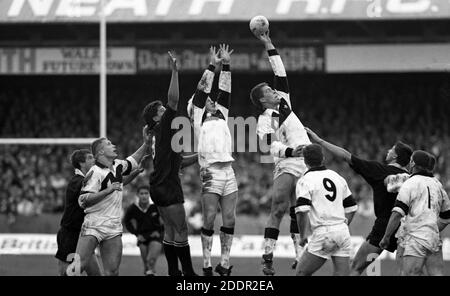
171, 257
207, 241
184, 254
270, 240
226, 239
295, 233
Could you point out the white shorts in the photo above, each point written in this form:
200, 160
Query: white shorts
293, 165
102, 228
330, 241
416, 247
218, 178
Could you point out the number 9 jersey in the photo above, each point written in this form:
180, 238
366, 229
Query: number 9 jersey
325, 195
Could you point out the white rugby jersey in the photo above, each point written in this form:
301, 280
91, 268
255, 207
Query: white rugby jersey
99, 178
211, 130
422, 201
326, 196
282, 127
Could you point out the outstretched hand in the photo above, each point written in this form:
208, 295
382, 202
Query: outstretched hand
214, 56
265, 37
313, 136
225, 53
173, 61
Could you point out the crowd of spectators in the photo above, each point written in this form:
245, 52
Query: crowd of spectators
366, 114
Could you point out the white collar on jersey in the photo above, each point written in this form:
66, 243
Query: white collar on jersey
79, 172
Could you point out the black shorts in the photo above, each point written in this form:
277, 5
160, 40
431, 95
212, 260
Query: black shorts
167, 193
376, 235
67, 241
148, 238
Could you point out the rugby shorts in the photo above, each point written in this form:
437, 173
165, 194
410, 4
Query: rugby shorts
218, 178
67, 241
376, 235
102, 228
330, 241
167, 193
416, 247
294, 166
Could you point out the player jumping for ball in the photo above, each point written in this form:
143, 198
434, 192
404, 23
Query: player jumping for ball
279, 127
165, 184
210, 119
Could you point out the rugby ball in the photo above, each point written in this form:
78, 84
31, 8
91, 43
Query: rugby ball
259, 25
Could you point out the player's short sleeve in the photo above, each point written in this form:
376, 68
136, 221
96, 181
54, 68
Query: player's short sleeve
369, 169
403, 201
348, 201
128, 165
303, 195
444, 214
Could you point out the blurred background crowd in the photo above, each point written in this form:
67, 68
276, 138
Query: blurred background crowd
366, 114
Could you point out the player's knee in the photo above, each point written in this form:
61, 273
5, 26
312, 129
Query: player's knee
279, 209
181, 227
229, 219
208, 220
301, 272
413, 271
357, 267
112, 272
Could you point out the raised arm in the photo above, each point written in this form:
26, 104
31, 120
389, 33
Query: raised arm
224, 94
204, 86
333, 149
173, 94
147, 139
127, 180
280, 78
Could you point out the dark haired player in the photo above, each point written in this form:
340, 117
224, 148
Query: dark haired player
424, 205
379, 177
72, 219
165, 185
324, 200
280, 128
142, 219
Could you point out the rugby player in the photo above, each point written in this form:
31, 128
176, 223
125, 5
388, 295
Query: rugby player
323, 198
210, 117
101, 197
425, 206
279, 127
142, 219
376, 174
72, 219
165, 185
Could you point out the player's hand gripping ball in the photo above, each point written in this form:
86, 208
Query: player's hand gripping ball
259, 25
